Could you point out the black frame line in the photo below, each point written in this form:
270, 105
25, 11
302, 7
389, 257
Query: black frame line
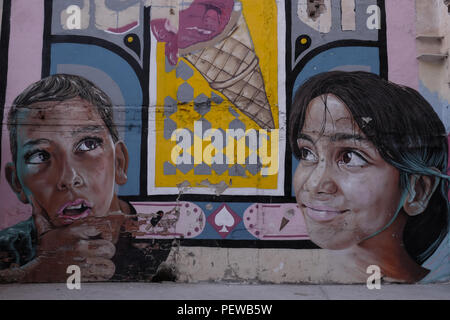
211, 198
240, 243
145, 83
288, 66
255, 244
382, 39
4, 51
46, 45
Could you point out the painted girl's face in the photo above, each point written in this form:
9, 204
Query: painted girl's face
66, 160
343, 186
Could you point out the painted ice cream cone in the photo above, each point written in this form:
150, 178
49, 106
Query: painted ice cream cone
230, 65
287, 216
284, 222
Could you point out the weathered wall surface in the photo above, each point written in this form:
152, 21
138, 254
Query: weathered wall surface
203, 184
432, 49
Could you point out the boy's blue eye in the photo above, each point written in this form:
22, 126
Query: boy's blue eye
37, 157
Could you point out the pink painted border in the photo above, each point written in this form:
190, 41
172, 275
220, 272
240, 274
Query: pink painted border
24, 67
184, 226
268, 214
401, 43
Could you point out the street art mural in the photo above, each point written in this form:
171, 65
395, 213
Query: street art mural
156, 125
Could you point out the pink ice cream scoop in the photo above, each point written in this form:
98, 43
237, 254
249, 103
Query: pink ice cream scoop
201, 21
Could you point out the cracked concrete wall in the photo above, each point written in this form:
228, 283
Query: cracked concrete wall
261, 266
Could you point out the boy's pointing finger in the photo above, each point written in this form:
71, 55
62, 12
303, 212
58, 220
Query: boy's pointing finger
40, 217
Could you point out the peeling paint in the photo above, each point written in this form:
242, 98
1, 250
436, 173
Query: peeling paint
348, 15
315, 8
316, 14
219, 188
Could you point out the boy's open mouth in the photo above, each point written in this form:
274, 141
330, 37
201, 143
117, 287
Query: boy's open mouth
75, 210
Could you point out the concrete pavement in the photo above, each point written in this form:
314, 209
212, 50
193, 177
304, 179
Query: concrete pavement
222, 291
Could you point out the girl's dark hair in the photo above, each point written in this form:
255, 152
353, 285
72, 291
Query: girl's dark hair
61, 87
406, 131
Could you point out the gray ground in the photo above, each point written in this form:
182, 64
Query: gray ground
222, 291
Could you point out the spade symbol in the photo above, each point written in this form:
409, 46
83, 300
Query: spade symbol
132, 41
224, 219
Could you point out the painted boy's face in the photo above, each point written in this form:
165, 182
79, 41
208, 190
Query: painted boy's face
345, 189
66, 160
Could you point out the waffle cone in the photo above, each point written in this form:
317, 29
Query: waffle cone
232, 67
284, 222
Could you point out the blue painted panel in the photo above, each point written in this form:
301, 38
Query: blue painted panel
238, 233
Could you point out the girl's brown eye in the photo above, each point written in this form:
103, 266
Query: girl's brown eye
352, 159
307, 155
347, 157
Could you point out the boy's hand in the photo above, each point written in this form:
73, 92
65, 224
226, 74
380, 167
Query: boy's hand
77, 244
40, 217
87, 243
